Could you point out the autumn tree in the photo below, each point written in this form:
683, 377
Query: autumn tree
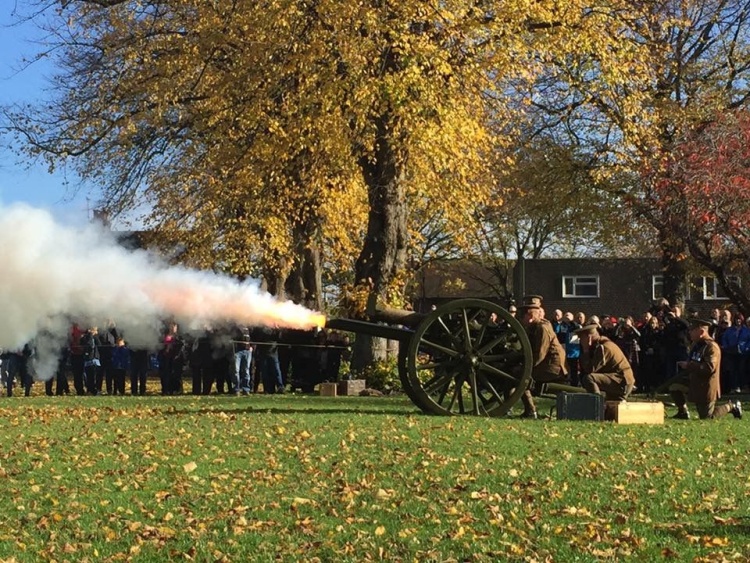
554, 203
215, 126
248, 130
701, 192
548, 201
698, 52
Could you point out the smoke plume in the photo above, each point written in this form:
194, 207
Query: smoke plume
51, 275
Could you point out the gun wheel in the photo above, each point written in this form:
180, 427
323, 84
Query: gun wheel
468, 357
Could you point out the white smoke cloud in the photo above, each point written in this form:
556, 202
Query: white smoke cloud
51, 275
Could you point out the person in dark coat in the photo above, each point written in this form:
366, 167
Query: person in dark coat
303, 357
27, 367
699, 377
172, 361
339, 344
286, 356
201, 361
676, 341
12, 365
651, 373
139, 366
91, 362
321, 356
222, 356
267, 351
627, 337
76, 358
61, 375
107, 343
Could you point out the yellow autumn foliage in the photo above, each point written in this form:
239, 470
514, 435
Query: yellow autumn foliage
246, 131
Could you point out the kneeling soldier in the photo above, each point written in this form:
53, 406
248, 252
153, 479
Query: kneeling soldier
699, 377
606, 369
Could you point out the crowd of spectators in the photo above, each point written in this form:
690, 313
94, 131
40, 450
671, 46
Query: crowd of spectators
244, 360
238, 360
659, 338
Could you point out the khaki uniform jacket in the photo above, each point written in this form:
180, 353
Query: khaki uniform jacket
547, 352
607, 359
703, 369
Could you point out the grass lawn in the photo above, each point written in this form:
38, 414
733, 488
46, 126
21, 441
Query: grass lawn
301, 478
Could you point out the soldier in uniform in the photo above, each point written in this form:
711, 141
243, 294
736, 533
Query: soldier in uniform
699, 377
605, 368
547, 352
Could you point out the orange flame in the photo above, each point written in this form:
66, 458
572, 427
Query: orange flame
241, 304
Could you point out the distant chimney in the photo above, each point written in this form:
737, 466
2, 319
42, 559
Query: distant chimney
101, 216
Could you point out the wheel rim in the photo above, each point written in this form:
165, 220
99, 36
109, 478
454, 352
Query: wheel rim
460, 362
403, 372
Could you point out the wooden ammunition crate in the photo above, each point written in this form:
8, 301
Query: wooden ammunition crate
349, 387
327, 389
634, 413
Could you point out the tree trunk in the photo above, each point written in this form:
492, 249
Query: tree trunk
673, 266
384, 251
273, 283
305, 280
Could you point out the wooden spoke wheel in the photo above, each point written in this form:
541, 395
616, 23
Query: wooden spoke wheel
403, 370
469, 356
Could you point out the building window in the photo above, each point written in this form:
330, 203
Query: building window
657, 286
712, 289
580, 286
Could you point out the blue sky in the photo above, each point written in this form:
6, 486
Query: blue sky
24, 181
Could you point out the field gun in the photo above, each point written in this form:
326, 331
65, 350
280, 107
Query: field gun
466, 357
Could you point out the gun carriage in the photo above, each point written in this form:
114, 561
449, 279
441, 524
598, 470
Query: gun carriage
467, 357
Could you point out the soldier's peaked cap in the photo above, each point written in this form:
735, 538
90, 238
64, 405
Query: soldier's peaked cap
699, 322
531, 302
585, 329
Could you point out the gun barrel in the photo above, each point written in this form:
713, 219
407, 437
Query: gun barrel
379, 312
370, 328
397, 316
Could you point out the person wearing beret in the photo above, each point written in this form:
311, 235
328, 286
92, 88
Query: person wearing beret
698, 379
605, 368
547, 352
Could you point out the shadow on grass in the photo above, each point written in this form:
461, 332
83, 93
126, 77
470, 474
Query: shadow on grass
736, 526
296, 410
732, 526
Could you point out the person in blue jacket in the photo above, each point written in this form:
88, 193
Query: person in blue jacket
120, 366
735, 347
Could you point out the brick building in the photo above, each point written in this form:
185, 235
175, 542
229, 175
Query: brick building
611, 286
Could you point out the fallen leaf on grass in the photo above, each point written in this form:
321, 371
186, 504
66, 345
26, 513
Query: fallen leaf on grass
708, 541
725, 521
382, 494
